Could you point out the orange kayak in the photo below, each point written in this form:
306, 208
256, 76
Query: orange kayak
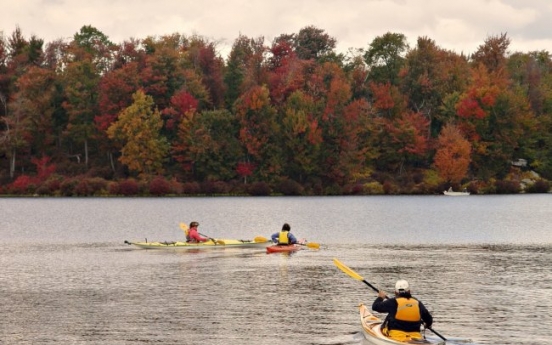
282, 248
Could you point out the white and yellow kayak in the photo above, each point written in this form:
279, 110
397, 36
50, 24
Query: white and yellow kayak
257, 242
371, 327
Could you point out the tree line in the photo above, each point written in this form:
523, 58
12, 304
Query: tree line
170, 115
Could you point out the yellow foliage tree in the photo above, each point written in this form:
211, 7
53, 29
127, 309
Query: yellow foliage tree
138, 129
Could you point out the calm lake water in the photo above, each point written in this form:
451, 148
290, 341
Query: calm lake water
481, 264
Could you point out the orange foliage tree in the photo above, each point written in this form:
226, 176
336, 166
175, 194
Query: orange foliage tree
452, 158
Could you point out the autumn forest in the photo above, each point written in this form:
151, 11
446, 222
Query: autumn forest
170, 116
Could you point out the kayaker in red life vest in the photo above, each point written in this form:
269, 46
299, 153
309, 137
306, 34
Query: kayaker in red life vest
404, 313
194, 236
284, 237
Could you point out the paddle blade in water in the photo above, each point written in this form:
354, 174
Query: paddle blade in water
313, 245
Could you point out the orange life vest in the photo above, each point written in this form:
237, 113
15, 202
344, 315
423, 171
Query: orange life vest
408, 310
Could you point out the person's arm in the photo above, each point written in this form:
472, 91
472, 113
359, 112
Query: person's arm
203, 239
426, 316
292, 239
381, 305
196, 236
275, 237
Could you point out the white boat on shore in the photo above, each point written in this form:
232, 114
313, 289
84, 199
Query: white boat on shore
450, 192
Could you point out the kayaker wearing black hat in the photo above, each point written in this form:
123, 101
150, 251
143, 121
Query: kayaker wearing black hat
284, 237
404, 313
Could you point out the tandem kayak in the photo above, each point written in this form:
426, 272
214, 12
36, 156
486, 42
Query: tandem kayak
216, 244
371, 327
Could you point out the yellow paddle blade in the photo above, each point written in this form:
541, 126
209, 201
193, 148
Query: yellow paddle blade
184, 227
347, 270
313, 245
215, 241
260, 239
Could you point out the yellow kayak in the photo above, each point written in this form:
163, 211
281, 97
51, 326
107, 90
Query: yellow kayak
258, 242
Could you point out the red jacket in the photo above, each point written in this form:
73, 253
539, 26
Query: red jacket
195, 236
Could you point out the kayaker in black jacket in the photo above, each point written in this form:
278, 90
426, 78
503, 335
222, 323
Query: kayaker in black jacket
405, 313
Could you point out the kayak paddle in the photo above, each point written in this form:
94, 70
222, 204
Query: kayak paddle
260, 239
312, 245
357, 276
352, 273
184, 227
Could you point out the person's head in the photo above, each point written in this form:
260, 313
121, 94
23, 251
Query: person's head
194, 224
286, 227
402, 288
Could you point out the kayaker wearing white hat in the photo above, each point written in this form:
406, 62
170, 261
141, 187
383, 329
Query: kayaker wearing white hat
405, 313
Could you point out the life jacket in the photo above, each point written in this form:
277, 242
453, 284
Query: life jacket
187, 234
408, 310
283, 238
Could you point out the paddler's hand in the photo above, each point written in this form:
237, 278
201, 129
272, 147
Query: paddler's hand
382, 294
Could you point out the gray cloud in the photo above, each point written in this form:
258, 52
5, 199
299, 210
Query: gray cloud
460, 26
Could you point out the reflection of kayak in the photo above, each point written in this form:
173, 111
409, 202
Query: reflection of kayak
217, 244
371, 327
282, 248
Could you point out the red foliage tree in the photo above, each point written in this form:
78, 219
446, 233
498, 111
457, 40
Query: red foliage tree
285, 74
481, 94
387, 99
245, 169
44, 170
181, 103
212, 67
115, 94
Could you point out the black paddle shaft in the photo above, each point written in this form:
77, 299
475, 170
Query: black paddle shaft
370, 285
436, 333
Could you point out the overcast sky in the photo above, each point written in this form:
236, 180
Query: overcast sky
458, 25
